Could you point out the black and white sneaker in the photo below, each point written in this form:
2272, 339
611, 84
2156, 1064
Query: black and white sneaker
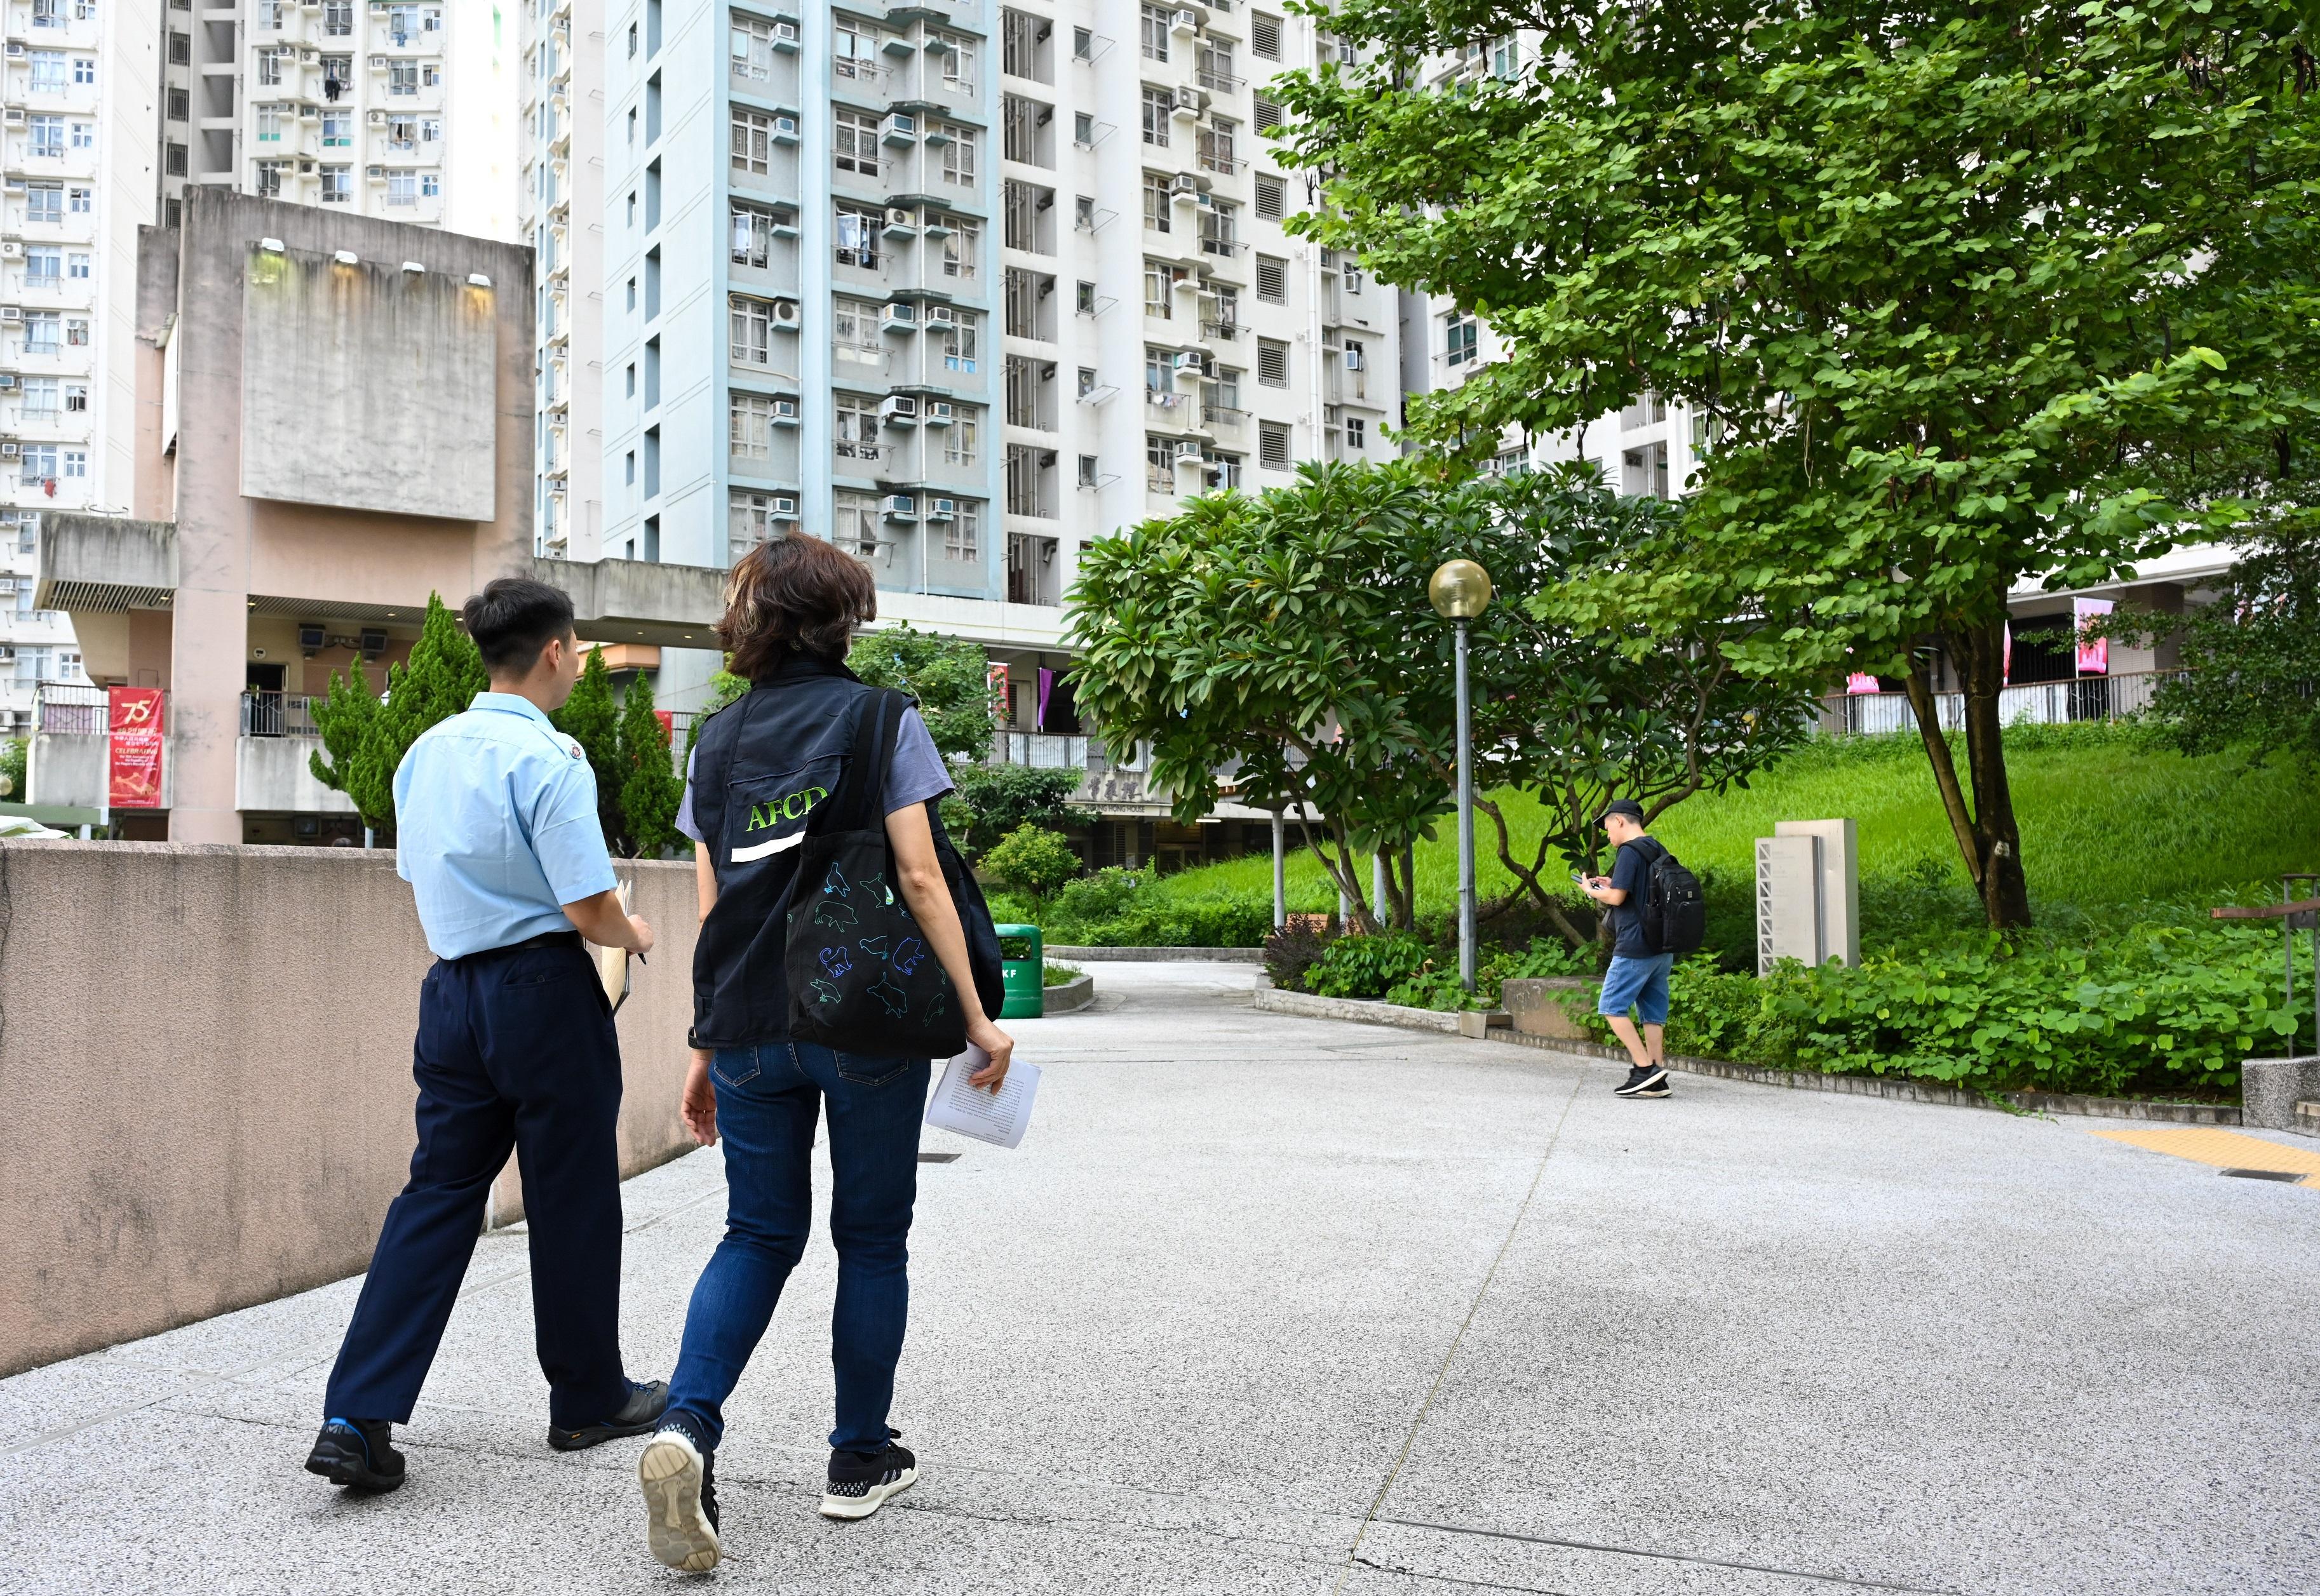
861, 1481
354, 1452
1643, 1083
647, 1400
680, 1486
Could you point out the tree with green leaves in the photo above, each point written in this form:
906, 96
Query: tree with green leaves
1032, 860
591, 717
367, 737
994, 801
344, 716
949, 676
649, 789
1965, 292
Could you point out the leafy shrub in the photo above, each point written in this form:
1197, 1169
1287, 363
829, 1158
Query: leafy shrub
1059, 975
1291, 951
1032, 860
1367, 966
1122, 908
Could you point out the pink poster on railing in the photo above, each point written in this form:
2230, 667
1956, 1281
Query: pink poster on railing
2094, 652
1861, 681
134, 716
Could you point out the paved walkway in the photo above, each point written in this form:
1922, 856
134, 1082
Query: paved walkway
1271, 1304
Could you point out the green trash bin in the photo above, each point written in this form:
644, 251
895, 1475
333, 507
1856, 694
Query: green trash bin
1023, 957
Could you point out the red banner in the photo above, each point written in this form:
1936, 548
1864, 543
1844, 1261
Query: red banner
135, 720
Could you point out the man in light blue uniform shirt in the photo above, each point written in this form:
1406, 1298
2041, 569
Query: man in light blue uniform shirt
496, 831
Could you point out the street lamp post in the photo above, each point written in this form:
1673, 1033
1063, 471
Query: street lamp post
1461, 590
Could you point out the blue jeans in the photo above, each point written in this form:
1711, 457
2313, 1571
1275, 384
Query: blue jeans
768, 1098
1642, 983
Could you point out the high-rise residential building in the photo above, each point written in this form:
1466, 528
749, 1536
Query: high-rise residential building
77, 160
561, 75
338, 102
960, 287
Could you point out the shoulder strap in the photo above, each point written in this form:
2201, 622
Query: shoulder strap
856, 805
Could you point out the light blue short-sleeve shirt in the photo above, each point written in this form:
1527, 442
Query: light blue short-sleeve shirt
496, 826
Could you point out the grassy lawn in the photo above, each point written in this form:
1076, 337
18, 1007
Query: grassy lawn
2108, 823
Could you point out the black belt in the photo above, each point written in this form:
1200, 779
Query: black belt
546, 939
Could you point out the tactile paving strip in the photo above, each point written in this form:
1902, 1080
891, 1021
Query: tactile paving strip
2225, 1149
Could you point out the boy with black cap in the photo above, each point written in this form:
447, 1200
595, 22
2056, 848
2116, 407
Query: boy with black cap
1638, 976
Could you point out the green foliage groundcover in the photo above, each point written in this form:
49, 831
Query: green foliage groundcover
1121, 909
2163, 1011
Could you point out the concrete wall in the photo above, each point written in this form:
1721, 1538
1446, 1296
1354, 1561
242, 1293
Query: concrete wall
205, 1085
272, 776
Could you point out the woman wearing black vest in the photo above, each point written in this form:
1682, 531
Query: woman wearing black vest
761, 764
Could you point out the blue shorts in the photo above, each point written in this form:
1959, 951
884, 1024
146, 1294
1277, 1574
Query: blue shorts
1640, 982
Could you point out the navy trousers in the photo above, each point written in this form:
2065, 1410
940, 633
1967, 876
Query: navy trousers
515, 1050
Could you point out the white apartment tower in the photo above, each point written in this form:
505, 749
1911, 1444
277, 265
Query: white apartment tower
318, 102
79, 88
561, 213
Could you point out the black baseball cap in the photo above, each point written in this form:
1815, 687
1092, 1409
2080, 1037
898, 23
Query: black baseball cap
1627, 806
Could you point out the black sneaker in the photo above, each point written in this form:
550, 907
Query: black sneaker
1643, 1083
861, 1481
680, 1486
354, 1452
647, 1399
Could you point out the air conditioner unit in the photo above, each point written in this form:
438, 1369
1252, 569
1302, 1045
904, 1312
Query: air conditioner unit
305, 169
1047, 199
783, 225
785, 130
1184, 23
901, 223
1188, 454
941, 510
1187, 362
16, 50
7, 382
378, 63
310, 113
783, 507
785, 412
15, 116
378, 119
378, 174
941, 316
900, 317
900, 507
785, 36
11, 250
12, 185
785, 313
9, 451
899, 128
1183, 185
899, 409
1188, 105
11, 314
938, 413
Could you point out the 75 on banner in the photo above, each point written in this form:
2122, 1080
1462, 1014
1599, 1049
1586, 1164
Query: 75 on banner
135, 716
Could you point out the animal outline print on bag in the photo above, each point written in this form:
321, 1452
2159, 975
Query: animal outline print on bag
874, 947
836, 883
907, 954
823, 992
835, 961
837, 916
891, 998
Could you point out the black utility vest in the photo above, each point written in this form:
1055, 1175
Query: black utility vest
762, 765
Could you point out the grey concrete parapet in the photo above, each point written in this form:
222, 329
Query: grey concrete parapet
2272, 1088
1159, 955
1362, 1010
1074, 993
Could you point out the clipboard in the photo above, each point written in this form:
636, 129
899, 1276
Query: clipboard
613, 963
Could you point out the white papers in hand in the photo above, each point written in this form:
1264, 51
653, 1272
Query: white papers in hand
999, 1118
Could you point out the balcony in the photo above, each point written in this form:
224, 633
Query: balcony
277, 714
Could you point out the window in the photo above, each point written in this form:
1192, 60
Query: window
1271, 196
1266, 113
1019, 38
39, 396
632, 42
752, 331
403, 188
180, 105
854, 50
1156, 202
1025, 210
751, 427
1088, 471
1224, 471
1228, 311
962, 247
1506, 59
1223, 393
82, 200
1264, 36
1273, 444
40, 465
752, 48
47, 72
338, 185
1219, 225
46, 136
430, 130
45, 202
1351, 269
964, 443
1086, 381
958, 156
963, 534
269, 179
1272, 280
77, 265
857, 237
403, 78
84, 135
856, 434
1083, 44
1457, 338
1159, 464
958, 63
853, 141
337, 130
181, 54
749, 522
1218, 151
1357, 434
41, 333
753, 136
76, 463
1022, 119
1271, 363
853, 522
1152, 33
269, 124
76, 332
854, 332
173, 159
753, 235
1084, 302
44, 266
1157, 104
962, 345
1159, 370
1215, 66
1159, 280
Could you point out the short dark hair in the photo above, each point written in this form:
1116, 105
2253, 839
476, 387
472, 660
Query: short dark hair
1627, 806
793, 594
512, 619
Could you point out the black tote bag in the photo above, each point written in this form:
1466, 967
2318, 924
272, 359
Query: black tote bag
862, 978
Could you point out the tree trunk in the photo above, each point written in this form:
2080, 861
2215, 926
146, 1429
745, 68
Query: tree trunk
1988, 841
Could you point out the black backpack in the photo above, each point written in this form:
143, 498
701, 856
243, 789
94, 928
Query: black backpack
1675, 910
862, 978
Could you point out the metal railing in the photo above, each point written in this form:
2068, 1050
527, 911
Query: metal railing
277, 714
74, 712
1043, 751
2029, 703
